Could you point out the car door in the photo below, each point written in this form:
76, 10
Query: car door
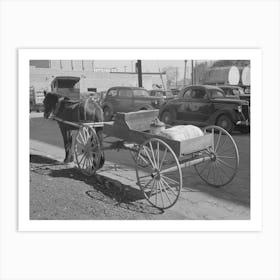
198, 106
125, 100
181, 105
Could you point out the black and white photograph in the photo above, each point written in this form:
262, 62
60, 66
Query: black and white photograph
139, 139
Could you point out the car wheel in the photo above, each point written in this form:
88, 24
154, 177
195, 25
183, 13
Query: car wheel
167, 117
107, 112
244, 129
226, 123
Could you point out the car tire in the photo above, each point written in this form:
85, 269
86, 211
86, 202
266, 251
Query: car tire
167, 117
225, 122
107, 113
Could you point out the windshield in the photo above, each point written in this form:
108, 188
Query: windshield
215, 93
169, 94
68, 84
140, 93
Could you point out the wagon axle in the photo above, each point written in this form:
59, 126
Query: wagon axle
156, 175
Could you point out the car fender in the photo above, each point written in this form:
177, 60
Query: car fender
109, 105
230, 113
171, 110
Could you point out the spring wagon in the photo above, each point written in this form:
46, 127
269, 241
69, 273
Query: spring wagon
159, 161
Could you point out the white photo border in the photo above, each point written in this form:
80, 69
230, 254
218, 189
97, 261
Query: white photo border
255, 222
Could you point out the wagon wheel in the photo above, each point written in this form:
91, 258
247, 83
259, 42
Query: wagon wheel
161, 178
139, 156
87, 150
224, 158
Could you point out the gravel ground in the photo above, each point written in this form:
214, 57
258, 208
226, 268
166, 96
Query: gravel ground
59, 192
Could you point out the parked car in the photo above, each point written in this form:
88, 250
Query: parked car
67, 86
175, 91
166, 94
128, 99
235, 92
206, 105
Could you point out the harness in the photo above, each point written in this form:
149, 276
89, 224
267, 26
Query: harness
58, 105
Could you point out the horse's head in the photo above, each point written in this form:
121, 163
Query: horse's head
50, 103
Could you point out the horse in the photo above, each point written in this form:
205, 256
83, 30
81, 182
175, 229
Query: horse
72, 111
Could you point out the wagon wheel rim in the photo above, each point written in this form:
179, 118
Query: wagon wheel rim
87, 151
160, 186
223, 158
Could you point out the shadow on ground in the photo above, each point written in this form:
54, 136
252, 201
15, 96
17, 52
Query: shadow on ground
102, 188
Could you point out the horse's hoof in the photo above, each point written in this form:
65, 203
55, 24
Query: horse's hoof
68, 160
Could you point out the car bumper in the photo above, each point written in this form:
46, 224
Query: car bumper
243, 123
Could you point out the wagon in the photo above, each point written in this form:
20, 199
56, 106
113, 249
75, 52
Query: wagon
159, 161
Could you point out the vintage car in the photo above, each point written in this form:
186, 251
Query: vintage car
206, 105
66, 86
166, 94
128, 99
235, 92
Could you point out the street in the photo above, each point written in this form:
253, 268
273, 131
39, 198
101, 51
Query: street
59, 191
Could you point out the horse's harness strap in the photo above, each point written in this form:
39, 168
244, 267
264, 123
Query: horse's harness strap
55, 111
85, 109
58, 106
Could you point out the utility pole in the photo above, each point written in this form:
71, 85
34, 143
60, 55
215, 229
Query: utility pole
139, 71
185, 72
161, 79
176, 77
192, 73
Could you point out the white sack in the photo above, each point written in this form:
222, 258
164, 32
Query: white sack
182, 132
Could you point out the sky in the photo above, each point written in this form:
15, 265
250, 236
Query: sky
147, 65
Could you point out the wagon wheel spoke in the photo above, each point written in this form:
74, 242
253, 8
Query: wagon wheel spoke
170, 180
222, 160
145, 176
152, 188
161, 191
143, 159
148, 155
158, 154
218, 172
227, 157
167, 185
224, 163
218, 141
81, 134
87, 150
165, 192
81, 159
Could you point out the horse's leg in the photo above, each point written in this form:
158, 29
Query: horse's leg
69, 147
100, 138
65, 141
99, 131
